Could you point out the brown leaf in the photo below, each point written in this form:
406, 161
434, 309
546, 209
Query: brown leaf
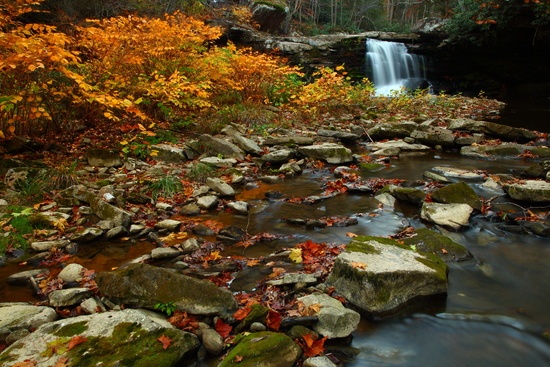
241, 313
358, 265
313, 347
165, 341
238, 359
76, 340
222, 328
274, 320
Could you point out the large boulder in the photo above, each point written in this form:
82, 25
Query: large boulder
270, 15
265, 349
329, 152
433, 135
459, 192
454, 216
428, 241
125, 338
535, 191
145, 286
493, 129
16, 316
379, 276
216, 146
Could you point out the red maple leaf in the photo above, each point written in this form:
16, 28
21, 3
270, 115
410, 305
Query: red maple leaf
241, 313
222, 328
165, 341
313, 346
274, 320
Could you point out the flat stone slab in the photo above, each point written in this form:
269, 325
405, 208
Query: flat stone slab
454, 215
402, 145
459, 173
379, 276
537, 191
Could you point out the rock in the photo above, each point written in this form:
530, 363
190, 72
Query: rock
92, 305
24, 277
428, 241
338, 134
219, 162
537, 170
535, 191
231, 233
454, 216
240, 207
40, 246
247, 145
379, 276
103, 158
386, 199
212, 341
208, 202
278, 156
288, 140
24, 316
491, 151
293, 278
536, 228
126, 338
290, 168
492, 129
171, 225
459, 173
329, 152
71, 273
168, 153
270, 16
493, 186
409, 194
399, 144
87, 235
68, 297
459, 193
116, 232
216, 146
392, 130
164, 253
334, 320
321, 361
266, 349
220, 186
144, 285
433, 135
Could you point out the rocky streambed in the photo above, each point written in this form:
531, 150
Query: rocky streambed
184, 302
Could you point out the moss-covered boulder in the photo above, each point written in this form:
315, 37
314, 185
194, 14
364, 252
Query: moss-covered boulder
143, 285
492, 129
535, 191
426, 240
380, 276
458, 193
330, 152
263, 349
124, 338
408, 194
258, 313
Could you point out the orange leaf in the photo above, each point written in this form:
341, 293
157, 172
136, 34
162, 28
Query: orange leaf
274, 320
313, 347
62, 362
165, 341
276, 272
358, 265
222, 328
241, 313
351, 234
76, 340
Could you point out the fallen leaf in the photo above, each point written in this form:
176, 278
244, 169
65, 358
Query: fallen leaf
61, 362
351, 234
25, 363
76, 340
358, 265
241, 313
274, 320
444, 251
165, 341
238, 359
276, 272
296, 255
222, 328
313, 346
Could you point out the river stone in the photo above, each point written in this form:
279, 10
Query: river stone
144, 285
278, 156
40, 246
392, 130
433, 135
220, 186
338, 134
23, 316
123, 338
321, 361
537, 170
248, 145
262, 349
207, 202
399, 144
458, 173
219, 162
92, 305
454, 216
288, 140
216, 146
426, 240
334, 320
490, 151
103, 158
330, 152
409, 194
379, 276
168, 153
87, 235
459, 192
238, 206
71, 273
24, 277
535, 191
212, 341
68, 297
164, 253
171, 225
492, 129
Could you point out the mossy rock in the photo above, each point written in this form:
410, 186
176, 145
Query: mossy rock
457, 193
258, 313
409, 194
371, 166
266, 349
429, 241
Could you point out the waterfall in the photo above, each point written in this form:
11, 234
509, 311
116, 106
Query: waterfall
390, 67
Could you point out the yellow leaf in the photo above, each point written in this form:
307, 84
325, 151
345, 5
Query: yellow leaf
2, 136
296, 255
154, 153
11, 129
141, 127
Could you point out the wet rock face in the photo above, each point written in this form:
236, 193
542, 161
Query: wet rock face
144, 285
380, 277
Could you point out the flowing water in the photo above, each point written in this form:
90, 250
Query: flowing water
391, 67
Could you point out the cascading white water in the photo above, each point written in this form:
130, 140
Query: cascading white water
392, 67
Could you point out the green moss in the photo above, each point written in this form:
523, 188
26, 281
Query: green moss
371, 166
72, 329
129, 345
428, 241
459, 193
258, 313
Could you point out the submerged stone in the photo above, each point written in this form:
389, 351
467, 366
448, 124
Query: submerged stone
459, 193
380, 277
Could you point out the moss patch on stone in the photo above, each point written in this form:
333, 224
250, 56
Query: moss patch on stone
72, 329
428, 241
264, 348
457, 193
